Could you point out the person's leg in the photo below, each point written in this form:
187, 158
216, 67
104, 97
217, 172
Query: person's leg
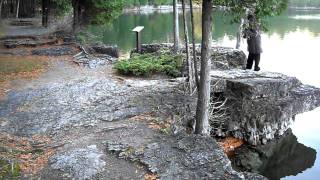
256, 62
250, 61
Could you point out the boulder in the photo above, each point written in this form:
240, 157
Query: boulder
228, 58
104, 49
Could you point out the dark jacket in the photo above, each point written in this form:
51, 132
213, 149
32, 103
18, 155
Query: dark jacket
254, 40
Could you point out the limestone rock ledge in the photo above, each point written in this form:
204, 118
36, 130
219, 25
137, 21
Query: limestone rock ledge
260, 105
182, 157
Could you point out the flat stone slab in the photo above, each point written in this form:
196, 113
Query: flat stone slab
82, 163
54, 51
250, 84
28, 42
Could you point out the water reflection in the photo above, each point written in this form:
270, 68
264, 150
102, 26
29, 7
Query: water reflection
282, 157
307, 128
289, 158
158, 27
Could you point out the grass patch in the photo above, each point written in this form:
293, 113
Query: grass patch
15, 65
9, 170
148, 64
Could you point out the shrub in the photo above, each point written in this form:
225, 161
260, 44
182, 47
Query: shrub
147, 64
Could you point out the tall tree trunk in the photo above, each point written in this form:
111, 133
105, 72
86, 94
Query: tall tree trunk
45, 12
75, 4
194, 48
186, 37
1, 2
239, 34
18, 8
202, 114
176, 25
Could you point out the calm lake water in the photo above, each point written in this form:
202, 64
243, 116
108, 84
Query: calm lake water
291, 46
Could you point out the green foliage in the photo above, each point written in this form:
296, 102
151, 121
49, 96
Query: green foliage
8, 170
105, 11
61, 6
147, 64
261, 9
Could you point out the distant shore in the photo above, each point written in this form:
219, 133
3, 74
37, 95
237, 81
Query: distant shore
304, 8
151, 9
148, 9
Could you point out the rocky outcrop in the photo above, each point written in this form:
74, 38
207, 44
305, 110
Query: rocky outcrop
260, 105
182, 157
87, 101
223, 58
280, 158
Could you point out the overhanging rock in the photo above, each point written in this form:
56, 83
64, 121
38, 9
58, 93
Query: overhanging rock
260, 105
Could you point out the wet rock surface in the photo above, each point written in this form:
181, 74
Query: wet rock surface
261, 105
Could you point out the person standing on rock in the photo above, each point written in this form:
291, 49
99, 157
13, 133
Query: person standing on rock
253, 35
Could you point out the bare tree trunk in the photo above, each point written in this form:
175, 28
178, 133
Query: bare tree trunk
76, 20
202, 114
18, 8
239, 34
1, 2
194, 48
186, 37
176, 26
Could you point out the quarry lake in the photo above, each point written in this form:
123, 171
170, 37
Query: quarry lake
291, 46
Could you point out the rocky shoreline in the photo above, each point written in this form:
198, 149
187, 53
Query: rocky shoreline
109, 126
